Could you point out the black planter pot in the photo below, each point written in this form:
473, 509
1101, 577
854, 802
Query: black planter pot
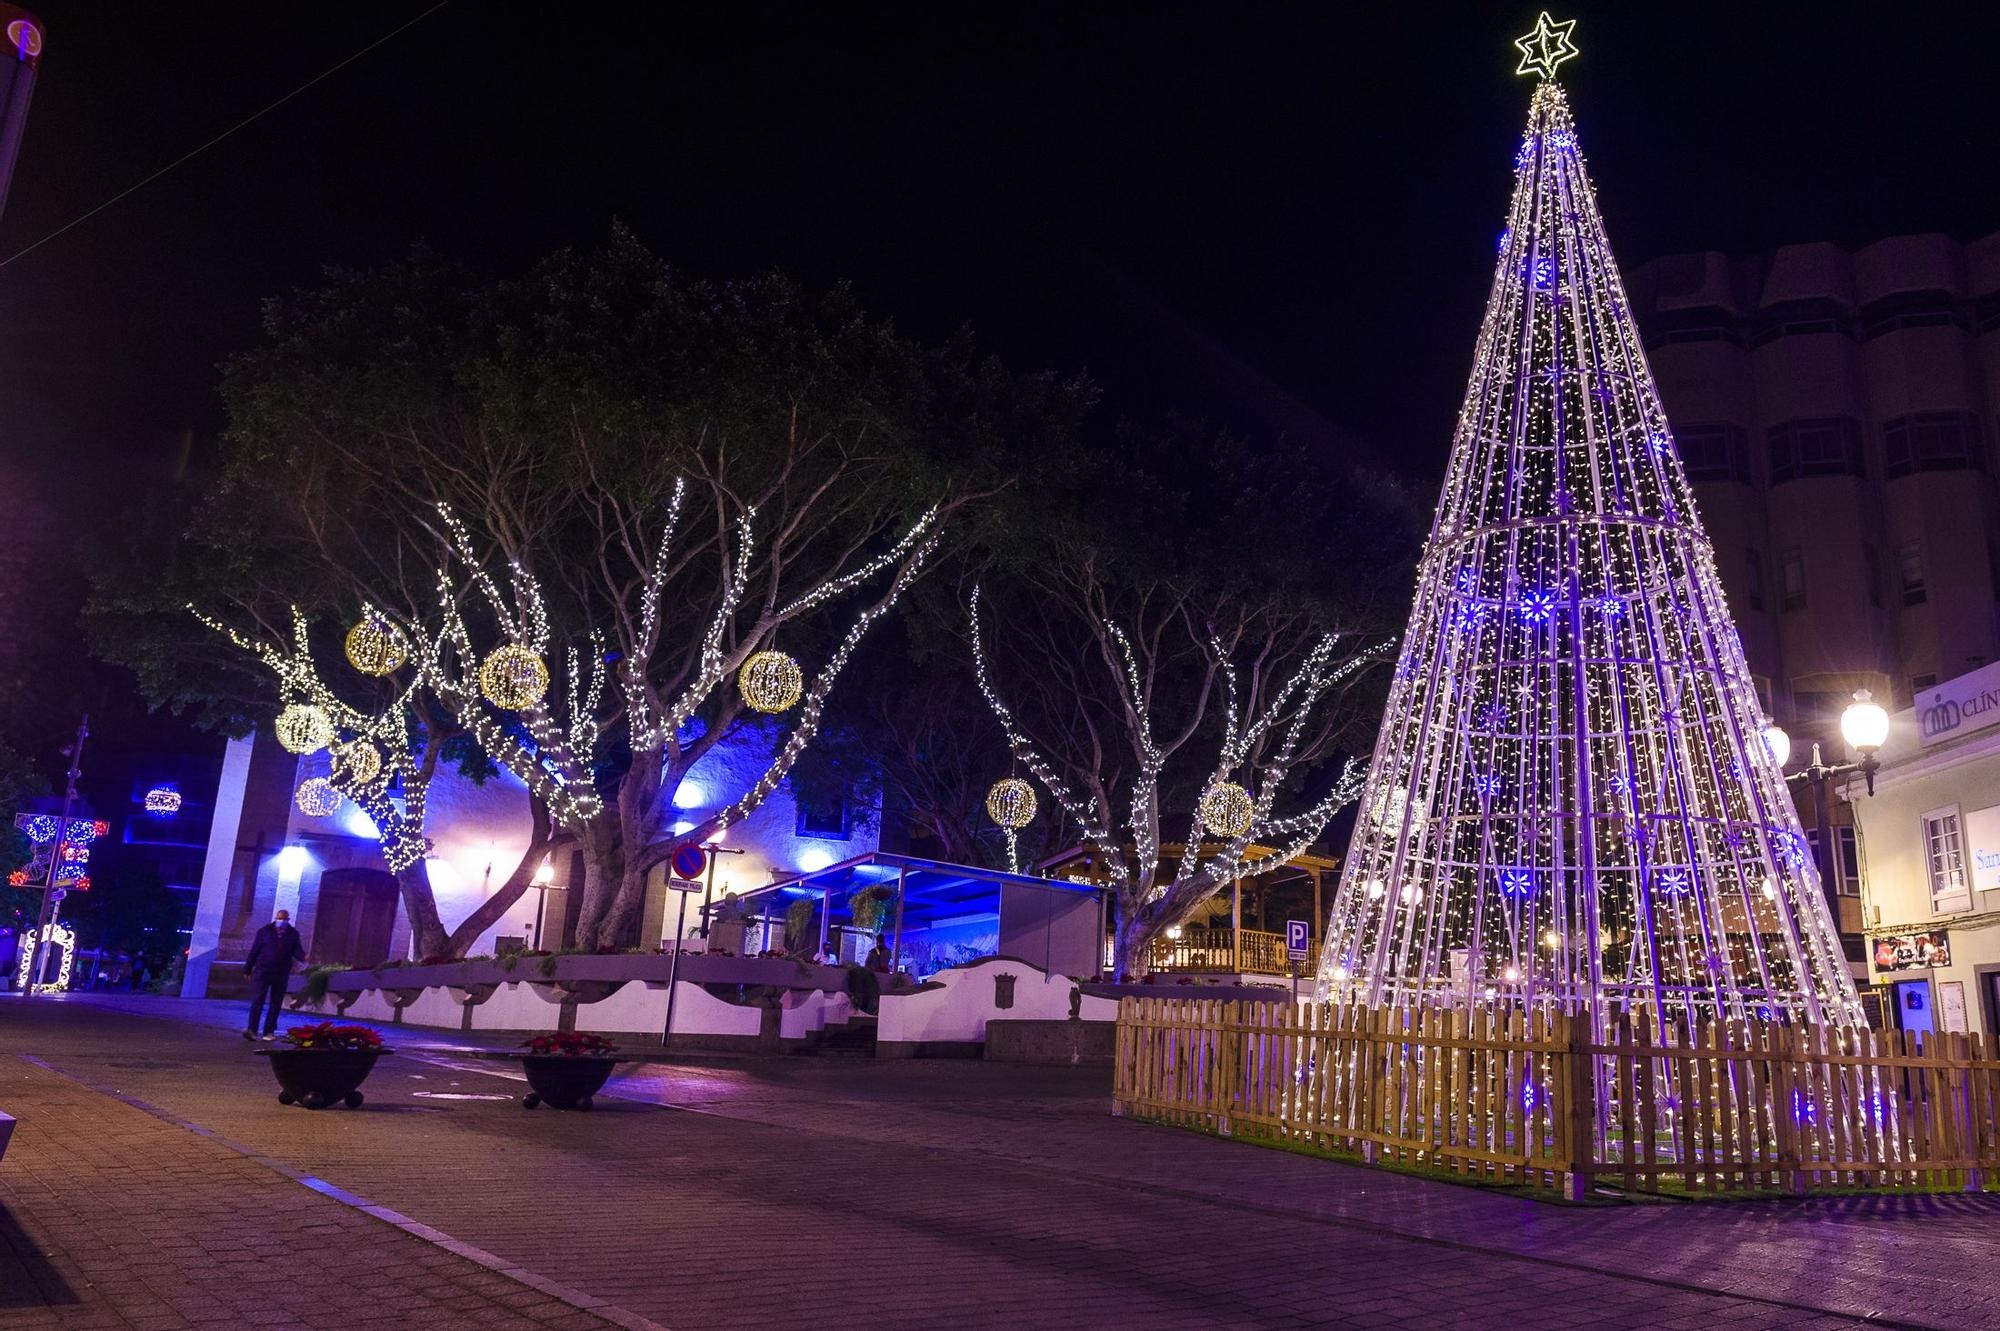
317, 1078
563, 1082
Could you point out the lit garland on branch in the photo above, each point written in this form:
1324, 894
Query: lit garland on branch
386, 734
1204, 868
1571, 804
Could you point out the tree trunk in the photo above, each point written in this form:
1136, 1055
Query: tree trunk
603, 871
618, 928
427, 935
1132, 940
540, 841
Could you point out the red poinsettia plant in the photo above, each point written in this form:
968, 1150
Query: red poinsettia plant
334, 1035
569, 1044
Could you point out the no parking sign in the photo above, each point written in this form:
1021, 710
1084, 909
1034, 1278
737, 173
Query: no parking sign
689, 860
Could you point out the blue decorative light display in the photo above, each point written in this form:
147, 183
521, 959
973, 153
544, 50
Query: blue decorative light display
1537, 605
1660, 441
82, 831
1518, 882
1526, 153
1488, 784
1544, 271
42, 828
1673, 881
1506, 239
1609, 606
1491, 716
162, 801
1562, 139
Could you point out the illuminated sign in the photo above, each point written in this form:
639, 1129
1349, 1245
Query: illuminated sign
1959, 706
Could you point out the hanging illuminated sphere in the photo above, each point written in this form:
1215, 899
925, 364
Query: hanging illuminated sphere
376, 647
316, 797
1226, 809
1011, 803
359, 761
513, 678
304, 727
771, 682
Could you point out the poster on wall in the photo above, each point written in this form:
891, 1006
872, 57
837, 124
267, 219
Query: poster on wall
1913, 952
1951, 1006
1982, 846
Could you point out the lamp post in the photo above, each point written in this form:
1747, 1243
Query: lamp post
1864, 725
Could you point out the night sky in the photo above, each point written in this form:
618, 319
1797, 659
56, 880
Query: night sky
1279, 221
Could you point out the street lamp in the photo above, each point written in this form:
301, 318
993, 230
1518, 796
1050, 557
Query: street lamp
1865, 727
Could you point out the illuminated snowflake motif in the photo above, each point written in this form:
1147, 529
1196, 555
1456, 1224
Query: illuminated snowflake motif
1506, 239
1659, 440
1621, 784
1673, 881
1490, 717
1790, 847
1562, 139
1525, 155
1609, 606
1537, 606
1467, 581
1518, 883
1544, 272
1488, 784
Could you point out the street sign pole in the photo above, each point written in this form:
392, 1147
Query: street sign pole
674, 966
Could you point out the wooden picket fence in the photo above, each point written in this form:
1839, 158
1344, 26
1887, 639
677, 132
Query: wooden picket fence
1538, 1100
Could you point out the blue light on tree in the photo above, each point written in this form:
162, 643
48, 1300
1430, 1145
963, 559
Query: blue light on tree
1537, 605
1673, 881
1517, 882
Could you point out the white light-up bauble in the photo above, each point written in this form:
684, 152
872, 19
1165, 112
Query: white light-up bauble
771, 682
359, 761
513, 677
1226, 809
376, 647
304, 727
1011, 803
316, 797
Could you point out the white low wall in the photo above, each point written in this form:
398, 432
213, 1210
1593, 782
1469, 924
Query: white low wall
954, 1007
636, 1007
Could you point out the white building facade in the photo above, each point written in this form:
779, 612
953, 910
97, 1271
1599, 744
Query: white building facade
1930, 859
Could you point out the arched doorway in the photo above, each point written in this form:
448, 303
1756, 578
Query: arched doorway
354, 919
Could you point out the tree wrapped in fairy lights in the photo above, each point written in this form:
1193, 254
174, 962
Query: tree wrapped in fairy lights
1571, 805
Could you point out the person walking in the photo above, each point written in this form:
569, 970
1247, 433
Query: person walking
273, 953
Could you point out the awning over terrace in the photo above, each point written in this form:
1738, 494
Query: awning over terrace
942, 914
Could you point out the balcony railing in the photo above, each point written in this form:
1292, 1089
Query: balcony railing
1228, 952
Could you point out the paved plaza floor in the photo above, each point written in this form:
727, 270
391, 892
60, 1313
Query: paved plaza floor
155, 1182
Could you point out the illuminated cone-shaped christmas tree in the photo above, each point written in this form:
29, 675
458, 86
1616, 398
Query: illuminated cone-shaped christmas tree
1572, 805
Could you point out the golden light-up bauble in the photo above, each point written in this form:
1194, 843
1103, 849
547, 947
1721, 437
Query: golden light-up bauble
513, 677
376, 647
1226, 809
304, 727
316, 797
771, 682
358, 760
1011, 803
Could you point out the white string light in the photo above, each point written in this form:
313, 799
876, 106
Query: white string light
1572, 747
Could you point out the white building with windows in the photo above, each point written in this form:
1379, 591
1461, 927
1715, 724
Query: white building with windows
1930, 859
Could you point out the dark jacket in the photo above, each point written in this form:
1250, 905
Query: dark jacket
274, 952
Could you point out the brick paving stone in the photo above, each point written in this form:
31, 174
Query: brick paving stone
112, 1218
809, 1192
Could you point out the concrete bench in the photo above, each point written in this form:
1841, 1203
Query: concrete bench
6, 1131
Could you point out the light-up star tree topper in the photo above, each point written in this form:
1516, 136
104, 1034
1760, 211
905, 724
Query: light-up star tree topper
1571, 804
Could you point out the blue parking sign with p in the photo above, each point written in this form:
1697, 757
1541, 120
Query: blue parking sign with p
1298, 938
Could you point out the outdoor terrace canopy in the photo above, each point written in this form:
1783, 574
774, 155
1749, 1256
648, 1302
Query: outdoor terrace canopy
956, 911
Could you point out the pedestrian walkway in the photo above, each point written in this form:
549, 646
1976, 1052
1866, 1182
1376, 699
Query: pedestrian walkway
804, 1192
112, 1217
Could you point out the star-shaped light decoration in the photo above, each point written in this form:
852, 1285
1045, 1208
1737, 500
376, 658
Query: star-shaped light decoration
1546, 47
